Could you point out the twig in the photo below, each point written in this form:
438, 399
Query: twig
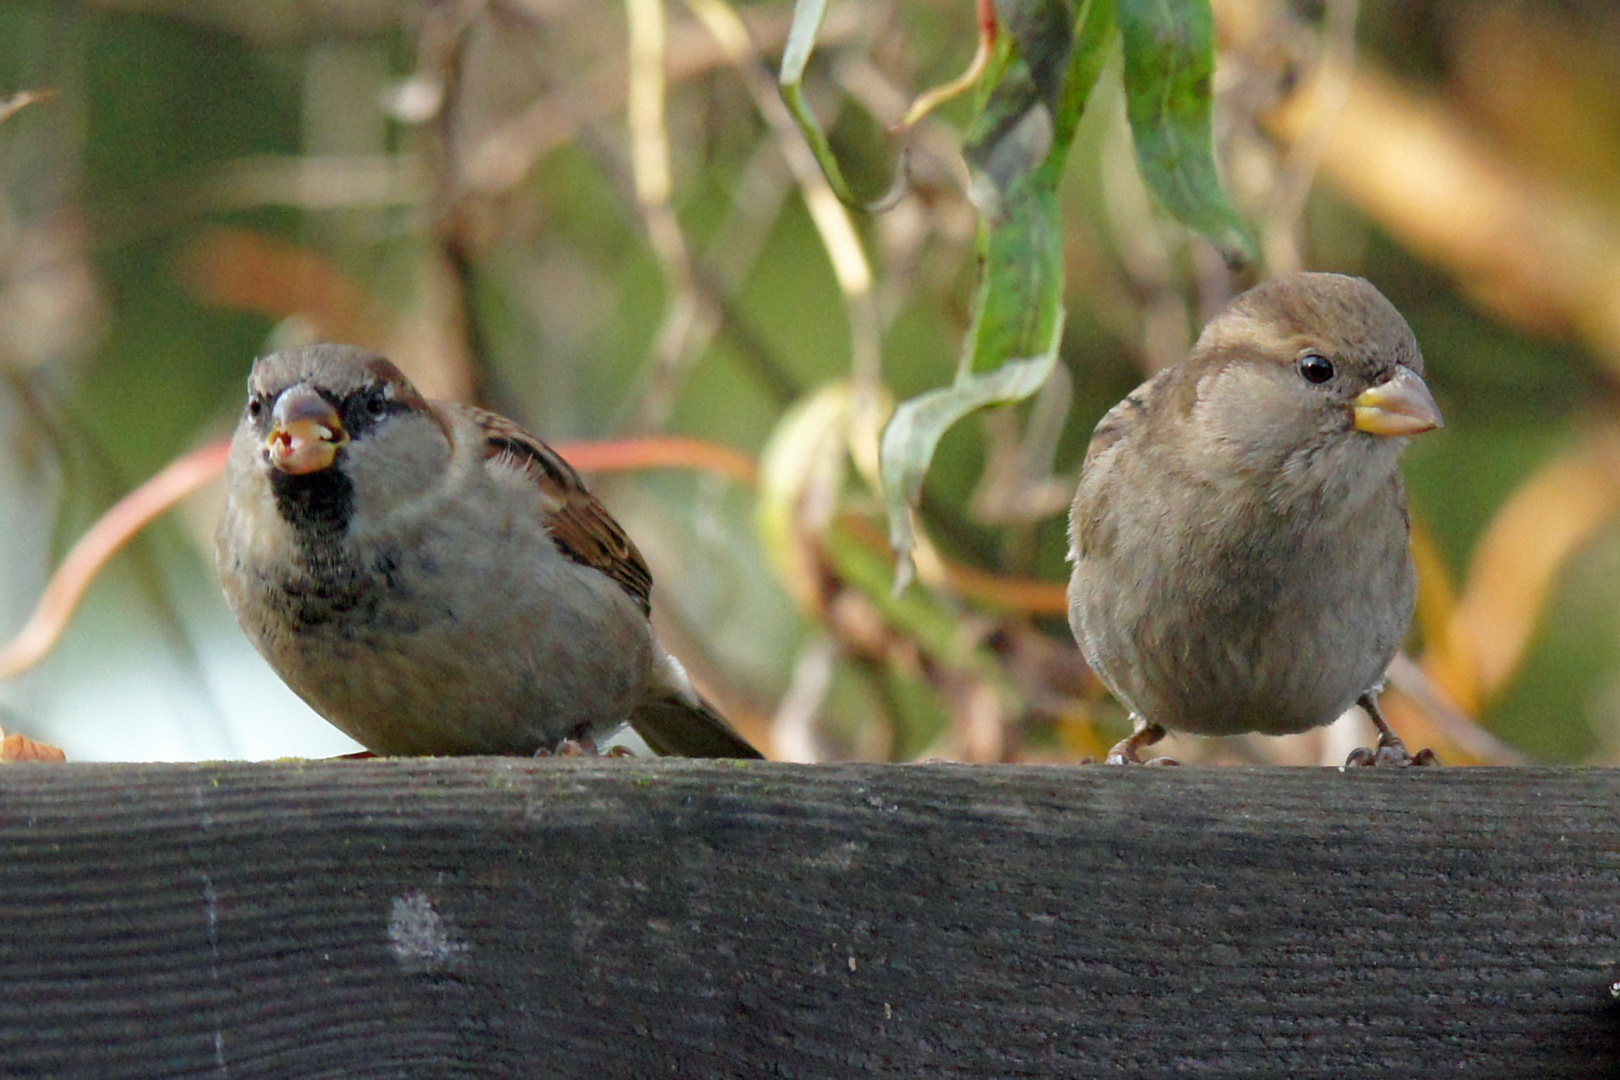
14, 104
930, 100
689, 320
838, 236
116, 528
659, 451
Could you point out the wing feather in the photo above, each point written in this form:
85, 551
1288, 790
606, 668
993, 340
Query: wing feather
579, 524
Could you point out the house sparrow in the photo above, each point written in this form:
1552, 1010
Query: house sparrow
1239, 536
433, 579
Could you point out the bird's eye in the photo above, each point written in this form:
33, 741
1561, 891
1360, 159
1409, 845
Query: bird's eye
376, 405
1315, 368
255, 407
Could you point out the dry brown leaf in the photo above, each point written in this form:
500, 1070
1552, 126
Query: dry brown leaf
1532, 250
1516, 565
105, 539
14, 104
1544, 85
244, 270
1444, 662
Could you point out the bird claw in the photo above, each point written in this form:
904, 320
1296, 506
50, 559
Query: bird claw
583, 745
1391, 753
578, 745
1132, 758
1128, 750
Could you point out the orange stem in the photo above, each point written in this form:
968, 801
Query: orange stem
67, 587
660, 452
116, 528
930, 100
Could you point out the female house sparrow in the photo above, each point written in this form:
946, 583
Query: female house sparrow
432, 579
1239, 536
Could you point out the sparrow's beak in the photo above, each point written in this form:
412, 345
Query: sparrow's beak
1400, 405
305, 432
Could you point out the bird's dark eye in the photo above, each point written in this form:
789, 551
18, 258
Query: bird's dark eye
255, 407
376, 404
1315, 368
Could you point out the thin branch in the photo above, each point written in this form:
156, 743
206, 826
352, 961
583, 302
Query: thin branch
14, 104
932, 99
690, 319
831, 218
106, 537
660, 451
1334, 74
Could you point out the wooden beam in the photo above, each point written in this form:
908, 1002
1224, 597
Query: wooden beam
514, 918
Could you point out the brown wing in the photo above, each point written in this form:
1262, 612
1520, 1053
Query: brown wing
579, 524
1091, 529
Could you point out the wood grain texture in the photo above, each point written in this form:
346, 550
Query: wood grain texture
511, 918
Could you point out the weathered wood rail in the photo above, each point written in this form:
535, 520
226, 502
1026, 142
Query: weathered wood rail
507, 918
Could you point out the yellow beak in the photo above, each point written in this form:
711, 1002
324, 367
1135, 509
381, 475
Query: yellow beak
1400, 405
305, 432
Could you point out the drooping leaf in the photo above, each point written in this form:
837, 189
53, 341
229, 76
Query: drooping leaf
1016, 150
917, 426
808, 16
1169, 63
1043, 30
1094, 41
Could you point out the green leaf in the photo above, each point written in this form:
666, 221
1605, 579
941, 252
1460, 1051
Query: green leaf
914, 432
1019, 307
1016, 150
808, 16
1093, 42
1169, 61
1043, 30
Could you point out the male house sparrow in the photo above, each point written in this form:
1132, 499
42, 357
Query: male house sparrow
1239, 535
432, 579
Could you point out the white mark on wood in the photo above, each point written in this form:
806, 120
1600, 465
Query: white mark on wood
211, 911
205, 822
852, 961
419, 937
840, 857
211, 903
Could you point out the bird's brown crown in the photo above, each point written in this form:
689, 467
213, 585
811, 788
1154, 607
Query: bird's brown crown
339, 370
1338, 315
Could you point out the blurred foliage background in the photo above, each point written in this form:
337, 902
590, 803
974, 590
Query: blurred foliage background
596, 218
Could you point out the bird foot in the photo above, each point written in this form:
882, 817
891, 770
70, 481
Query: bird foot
580, 744
1128, 750
1390, 753
583, 745
1115, 757
1121, 759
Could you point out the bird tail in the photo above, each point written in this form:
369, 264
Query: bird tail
678, 722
